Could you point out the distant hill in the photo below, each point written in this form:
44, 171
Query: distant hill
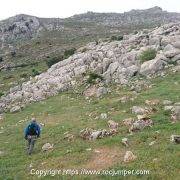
49, 37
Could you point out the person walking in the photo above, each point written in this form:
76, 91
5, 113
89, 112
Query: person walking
31, 133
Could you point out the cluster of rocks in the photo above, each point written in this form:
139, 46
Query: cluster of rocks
95, 91
115, 61
142, 122
174, 109
90, 134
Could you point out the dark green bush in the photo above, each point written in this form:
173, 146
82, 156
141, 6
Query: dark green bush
116, 38
53, 60
148, 55
120, 38
92, 77
135, 32
1, 59
1, 94
69, 52
35, 72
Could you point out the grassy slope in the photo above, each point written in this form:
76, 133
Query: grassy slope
69, 112
11, 78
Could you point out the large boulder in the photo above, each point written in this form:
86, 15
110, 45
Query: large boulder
15, 109
170, 51
153, 66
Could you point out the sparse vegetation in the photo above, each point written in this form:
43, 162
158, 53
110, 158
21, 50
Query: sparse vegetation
92, 77
35, 72
147, 55
116, 38
1, 94
53, 60
24, 75
69, 52
1, 59
8, 76
65, 113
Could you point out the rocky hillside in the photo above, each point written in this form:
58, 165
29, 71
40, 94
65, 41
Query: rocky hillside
25, 39
147, 53
24, 26
148, 17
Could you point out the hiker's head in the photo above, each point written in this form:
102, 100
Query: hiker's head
33, 120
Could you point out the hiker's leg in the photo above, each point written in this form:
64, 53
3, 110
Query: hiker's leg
28, 143
32, 145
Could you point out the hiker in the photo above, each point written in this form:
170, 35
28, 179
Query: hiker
32, 132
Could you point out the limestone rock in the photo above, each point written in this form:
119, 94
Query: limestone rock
15, 109
101, 91
129, 156
151, 67
125, 142
47, 147
112, 124
175, 139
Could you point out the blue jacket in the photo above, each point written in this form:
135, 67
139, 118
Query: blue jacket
37, 129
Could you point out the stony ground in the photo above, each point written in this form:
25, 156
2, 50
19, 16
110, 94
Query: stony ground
71, 112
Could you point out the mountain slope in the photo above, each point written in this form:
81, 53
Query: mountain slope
70, 112
57, 34
148, 53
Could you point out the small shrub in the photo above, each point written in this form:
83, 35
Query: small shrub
35, 72
116, 38
113, 38
148, 55
23, 75
135, 32
120, 38
92, 78
1, 59
53, 60
1, 94
69, 52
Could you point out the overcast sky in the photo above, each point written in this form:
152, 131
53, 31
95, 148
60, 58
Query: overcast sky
66, 8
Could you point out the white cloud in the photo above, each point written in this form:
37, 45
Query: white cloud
66, 8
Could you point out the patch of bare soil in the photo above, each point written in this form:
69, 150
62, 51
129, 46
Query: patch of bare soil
104, 158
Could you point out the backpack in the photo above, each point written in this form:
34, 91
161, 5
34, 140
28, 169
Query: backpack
32, 129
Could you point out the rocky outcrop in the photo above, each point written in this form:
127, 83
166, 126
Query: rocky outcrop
115, 61
133, 17
26, 27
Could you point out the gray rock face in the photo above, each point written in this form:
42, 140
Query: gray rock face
152, 66
112, 60
101, 91
15, 109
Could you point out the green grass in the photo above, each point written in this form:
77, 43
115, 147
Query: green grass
10, 78
70, 112
147, 55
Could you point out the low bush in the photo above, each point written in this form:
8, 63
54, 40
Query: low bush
116, 38
23, 75
53, 60
69, 52
147, 55
93, 77
35, 72
1, 94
